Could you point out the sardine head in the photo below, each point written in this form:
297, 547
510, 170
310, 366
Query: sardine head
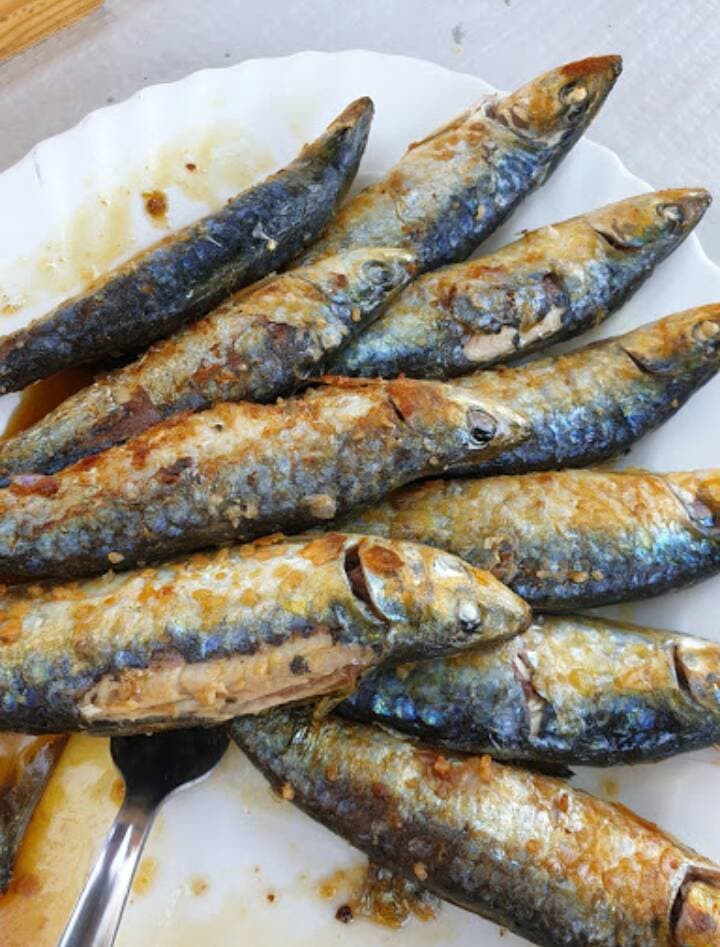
562, 102
456, 424
432, 602
656, 221
365, 278
687, 341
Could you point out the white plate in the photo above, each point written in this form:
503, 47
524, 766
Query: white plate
72, 208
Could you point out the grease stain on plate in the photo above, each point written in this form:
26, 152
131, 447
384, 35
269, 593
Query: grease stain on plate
182, 180
65, 832
37, 400
145, 875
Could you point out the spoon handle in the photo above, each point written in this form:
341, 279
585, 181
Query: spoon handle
96, 915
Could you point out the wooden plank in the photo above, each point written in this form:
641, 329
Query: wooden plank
25, 22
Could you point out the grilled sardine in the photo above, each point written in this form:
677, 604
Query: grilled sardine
453, 188
550, 285
235, 631
522, 849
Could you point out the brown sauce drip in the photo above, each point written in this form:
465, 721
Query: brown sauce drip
379, 895
39, 399
156, 206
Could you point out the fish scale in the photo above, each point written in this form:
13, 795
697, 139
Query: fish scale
595, 402
261, 344
239, 471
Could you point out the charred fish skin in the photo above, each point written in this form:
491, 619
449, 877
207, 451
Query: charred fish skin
256, 233
566, 539
258, 345
525, 850
595, 402
32, 765
571, 690
547, 286
239, 471
198, 641
454, 188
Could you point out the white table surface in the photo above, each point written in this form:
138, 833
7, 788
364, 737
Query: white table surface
662, 118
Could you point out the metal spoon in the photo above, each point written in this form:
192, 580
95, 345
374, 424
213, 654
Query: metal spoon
153, 767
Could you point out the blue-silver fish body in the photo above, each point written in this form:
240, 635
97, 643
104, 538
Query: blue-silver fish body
239, 471
595, 402
260, 344
27, 765
566, 539
569, 691
200, 640
549, 285
525, 850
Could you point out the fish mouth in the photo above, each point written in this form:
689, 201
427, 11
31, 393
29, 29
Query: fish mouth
680, 209
693, 201
362, 108
586, 85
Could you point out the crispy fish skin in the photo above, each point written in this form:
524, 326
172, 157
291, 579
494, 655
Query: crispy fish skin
26, 765
256, 346
235, 631
566, 539
453, 188
595, 402
239, 471
551, 284
571, 690
187, 275
524, 850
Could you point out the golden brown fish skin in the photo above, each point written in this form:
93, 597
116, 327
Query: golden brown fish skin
235, 631
595, 402
453, 188
239, 471
26, 765
566, 539
191, 272
527, 851
549, 285
258, 345
569, 691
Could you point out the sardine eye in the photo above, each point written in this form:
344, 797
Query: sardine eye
672, 216
576, 99
469, 617
481, 426
379, 274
